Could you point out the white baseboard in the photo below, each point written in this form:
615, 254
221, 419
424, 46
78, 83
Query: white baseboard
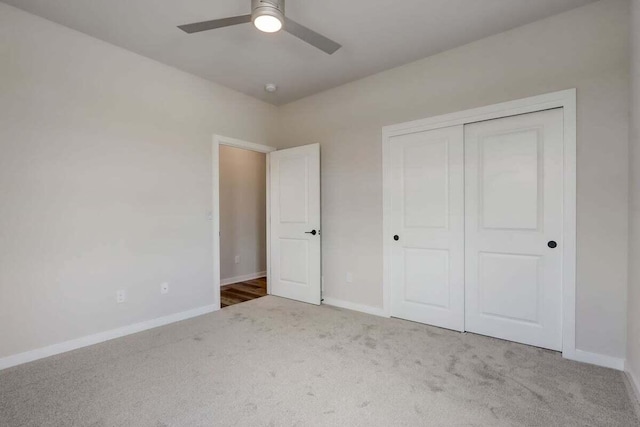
63, 347
237, 279
634, 380
376, 311
594, 359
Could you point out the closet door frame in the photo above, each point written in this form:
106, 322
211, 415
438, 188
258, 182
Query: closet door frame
566, 100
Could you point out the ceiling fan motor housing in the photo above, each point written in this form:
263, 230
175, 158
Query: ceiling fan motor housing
273, 8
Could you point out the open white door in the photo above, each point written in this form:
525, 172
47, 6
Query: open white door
295, 223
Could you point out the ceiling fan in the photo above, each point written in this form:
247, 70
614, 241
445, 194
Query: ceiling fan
268, 16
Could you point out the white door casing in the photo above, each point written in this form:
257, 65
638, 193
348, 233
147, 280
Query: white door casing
295, 213
428, 222
214, 215
513, 199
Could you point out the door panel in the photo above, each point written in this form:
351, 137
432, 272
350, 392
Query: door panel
294, 260
425, 178
498, 296
428, 259
513, 199
295, 211
501, 177
293, 177
427, 266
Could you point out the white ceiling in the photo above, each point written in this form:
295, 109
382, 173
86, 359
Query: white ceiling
376, 35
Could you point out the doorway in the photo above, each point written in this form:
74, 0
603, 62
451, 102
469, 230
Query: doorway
240, 220
243, 225
291, 220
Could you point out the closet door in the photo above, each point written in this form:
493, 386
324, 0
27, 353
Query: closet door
428, 227
513, 231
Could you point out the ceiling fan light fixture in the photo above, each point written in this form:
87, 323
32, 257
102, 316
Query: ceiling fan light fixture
267, 24
267, 15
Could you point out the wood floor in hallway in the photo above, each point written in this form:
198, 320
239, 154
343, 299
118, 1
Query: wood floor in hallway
242, 291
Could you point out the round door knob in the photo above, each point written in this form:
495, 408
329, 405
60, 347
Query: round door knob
552, 244
396, 237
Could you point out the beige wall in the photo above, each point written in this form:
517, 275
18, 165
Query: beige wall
105, 182
633, 333
586, 48
243, 217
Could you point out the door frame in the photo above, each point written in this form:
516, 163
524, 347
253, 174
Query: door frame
565, 99
219, 140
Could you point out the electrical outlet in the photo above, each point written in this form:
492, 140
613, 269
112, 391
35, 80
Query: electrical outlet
237, 259
349, 278
164, 288
121, 296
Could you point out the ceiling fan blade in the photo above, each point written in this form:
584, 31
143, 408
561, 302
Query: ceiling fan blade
310, 36
216, 23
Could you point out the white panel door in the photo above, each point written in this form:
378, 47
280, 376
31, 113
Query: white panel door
295, 223
513, 198
428, 227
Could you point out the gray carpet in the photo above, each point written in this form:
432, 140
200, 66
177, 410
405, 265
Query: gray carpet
274, 362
